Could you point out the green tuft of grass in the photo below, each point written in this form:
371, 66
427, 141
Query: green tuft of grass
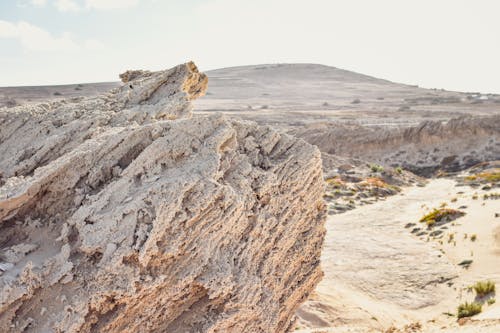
441, 214
491, 301
376, 168
468, 309
483, 288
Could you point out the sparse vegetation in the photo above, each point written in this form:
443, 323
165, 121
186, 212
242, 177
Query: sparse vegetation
441, 214
468, 309
378, 183
336, 182
491, 301
399, 170
492, 176
491, 196
451, 238
376, 168
473, 237
483, 288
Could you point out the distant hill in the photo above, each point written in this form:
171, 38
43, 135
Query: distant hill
295, 86
289, 87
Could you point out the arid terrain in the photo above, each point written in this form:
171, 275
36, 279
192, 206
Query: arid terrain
411, 186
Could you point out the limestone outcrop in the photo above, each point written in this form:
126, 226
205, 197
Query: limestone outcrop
121, 213
425, 148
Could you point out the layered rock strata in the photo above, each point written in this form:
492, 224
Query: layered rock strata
121, 213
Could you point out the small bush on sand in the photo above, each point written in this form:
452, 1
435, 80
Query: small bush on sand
376, 168
484, 288
468, 309
441, 214
399, 170
473, 237
491, 301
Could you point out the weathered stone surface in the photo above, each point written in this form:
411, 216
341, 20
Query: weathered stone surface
116, 218
424, 148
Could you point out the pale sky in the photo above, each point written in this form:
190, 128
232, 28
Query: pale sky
451, 44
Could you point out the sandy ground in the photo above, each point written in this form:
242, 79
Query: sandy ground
378, 274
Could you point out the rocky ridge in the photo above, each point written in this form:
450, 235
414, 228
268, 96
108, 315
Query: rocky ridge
424, 149
121, 213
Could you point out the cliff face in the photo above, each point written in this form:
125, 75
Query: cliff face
432, 145
122, 214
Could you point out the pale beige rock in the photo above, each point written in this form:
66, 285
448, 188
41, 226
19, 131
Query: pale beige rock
429, 146
125, 221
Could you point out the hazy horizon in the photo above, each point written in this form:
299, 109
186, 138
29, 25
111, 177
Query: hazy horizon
452, 45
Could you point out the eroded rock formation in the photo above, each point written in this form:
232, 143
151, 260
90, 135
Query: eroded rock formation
430, 146
120, 213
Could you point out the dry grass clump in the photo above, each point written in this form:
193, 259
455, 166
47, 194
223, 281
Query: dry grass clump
378, 182
469, 309
483, 288
441, 214
336, 183
492, 176
492, 196
409, 328
375, 181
